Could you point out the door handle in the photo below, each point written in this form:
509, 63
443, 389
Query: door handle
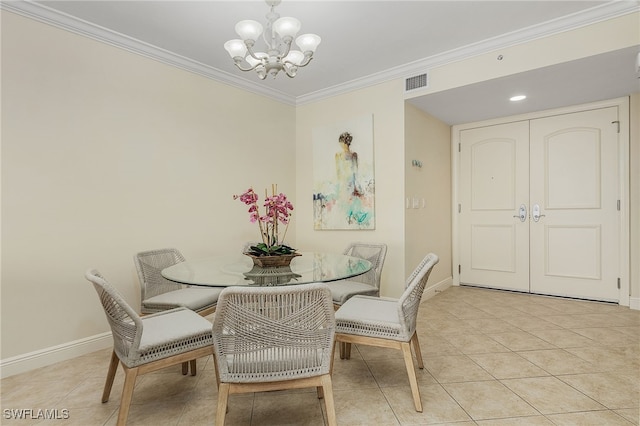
535, 213
522, 213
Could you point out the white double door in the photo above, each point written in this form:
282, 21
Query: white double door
539, 205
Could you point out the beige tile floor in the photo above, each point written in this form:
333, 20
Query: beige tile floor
491, 358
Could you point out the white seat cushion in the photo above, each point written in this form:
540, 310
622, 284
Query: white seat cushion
194, 298
369, 309
342, 290
172, 326
370, 316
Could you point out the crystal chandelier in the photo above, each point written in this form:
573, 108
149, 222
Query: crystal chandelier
278, 38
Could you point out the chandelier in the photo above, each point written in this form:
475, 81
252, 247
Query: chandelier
278, 38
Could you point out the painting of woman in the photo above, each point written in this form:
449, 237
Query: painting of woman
344, 194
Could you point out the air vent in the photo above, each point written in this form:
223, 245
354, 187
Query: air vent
415, 82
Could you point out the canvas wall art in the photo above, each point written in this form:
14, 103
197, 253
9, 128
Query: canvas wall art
343, 175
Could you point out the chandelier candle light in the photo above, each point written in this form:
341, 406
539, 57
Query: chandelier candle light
278, 37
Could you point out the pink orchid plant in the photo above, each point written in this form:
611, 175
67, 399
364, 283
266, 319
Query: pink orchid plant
277, 212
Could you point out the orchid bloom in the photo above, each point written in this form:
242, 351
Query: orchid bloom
250, 198
277, 210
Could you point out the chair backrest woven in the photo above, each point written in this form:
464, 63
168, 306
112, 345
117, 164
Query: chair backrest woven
264, 334
125, 323
409, 302
374, 253
150, 265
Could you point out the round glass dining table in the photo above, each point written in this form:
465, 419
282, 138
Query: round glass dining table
234, 270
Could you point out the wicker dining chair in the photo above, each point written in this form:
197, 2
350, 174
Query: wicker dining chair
366, 284
273, 338
159, 294
387, 322
146, 344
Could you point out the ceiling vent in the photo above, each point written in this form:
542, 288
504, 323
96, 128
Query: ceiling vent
416, 82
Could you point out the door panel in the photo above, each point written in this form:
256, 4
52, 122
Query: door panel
574, 179
503, 242
494, 182
493, 174
572, 176
562, 244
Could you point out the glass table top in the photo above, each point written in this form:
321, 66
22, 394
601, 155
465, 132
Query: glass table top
238, 269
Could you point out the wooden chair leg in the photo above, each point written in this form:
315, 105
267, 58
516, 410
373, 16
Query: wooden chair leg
333, 358
411, 372
347, 350
223, 397
327, 390
416, 349
192, 364
215, 366
130, 376
111, 374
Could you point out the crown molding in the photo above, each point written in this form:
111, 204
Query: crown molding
70, 23
590, 16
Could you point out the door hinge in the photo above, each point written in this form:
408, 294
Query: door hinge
618, 123
618, 205
618, 283
459, 147
459, 208
459, 269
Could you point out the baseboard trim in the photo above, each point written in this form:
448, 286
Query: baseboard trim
634, 303
42, 358
436, 288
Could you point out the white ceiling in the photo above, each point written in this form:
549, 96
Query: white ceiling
364, 42
607, 76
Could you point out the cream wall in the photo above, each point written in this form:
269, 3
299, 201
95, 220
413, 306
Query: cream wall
428, 228
634, 136
385, 101
106, 153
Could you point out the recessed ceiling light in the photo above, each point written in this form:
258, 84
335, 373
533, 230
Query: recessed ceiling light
517, 98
